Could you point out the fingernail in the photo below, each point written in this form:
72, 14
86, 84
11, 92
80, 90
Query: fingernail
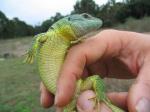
143, 105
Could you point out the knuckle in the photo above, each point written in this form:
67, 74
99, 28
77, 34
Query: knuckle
76, 50
107, 31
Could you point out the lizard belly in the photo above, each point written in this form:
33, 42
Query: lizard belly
50, 60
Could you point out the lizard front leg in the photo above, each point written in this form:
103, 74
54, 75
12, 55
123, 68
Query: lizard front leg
95, 83
37, 41
79, 40
71, 107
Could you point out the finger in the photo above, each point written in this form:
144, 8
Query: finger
73, 67
93, 49
77, 57
86, 103
111, 68
119, 99
139, 94
47, 99
71, 71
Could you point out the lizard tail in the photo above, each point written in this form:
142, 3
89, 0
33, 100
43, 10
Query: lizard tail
113, 107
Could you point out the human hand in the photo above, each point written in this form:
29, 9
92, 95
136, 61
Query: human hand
111, 53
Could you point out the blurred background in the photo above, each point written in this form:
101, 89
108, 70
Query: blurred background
21, 19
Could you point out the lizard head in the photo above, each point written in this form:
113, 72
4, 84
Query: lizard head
77, 25
84, 23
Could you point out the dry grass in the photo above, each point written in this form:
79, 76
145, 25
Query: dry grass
15, 47
138, 25
19, 82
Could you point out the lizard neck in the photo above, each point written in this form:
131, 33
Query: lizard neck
66, 33
64, 30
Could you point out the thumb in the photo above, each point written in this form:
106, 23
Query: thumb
139, 93
86, 103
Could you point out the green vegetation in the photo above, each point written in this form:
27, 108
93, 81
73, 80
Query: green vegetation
13, 28
111, 13
47, 23
138, 25
19, 82
19, 85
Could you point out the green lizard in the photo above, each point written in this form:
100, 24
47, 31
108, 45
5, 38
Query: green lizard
51, 48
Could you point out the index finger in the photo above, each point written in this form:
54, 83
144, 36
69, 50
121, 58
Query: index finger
106, 43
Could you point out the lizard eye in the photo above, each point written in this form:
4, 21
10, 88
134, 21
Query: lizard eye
86, 15
52, 28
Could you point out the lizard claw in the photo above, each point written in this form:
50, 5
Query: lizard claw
96, 103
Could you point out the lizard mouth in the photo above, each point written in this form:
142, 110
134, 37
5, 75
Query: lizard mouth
74, 30
72, 19
100, 26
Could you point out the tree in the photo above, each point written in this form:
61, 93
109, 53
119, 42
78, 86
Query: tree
14, 28
113, 2
6, 27
139, 8
21, 28
86, 6
47, 23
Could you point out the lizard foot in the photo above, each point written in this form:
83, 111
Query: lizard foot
79, 40
96, 103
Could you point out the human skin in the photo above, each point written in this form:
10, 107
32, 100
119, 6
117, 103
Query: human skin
110, 53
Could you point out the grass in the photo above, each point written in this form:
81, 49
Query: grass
138, 25
15, 47
19, 83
